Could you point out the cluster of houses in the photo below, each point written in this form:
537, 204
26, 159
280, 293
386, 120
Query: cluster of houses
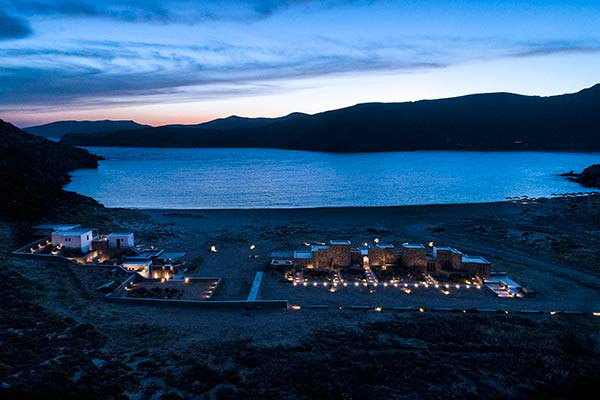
443, 261
87, 246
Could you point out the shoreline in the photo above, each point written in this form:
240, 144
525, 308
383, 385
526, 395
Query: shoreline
341, 209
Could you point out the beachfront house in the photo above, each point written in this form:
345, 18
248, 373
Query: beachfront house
74, 239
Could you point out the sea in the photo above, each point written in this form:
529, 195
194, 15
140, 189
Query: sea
177, 178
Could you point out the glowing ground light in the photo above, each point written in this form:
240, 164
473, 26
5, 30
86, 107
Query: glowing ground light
355, 283
213, 249
187, 280
252, 247
421, 309
315, 284
305, 283
596, 314
294, 307
377, 309
552, 312
324, 283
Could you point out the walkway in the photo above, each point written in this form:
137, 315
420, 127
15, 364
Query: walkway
255, 286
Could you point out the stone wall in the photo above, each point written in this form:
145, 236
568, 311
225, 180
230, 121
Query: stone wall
381, 256
447, 259
480, 269
414, 257
337, 255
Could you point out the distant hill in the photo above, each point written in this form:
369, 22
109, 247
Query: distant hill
33, 170
494, 121
236, 122
60, 128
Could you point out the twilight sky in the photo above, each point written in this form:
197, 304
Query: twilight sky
166, 61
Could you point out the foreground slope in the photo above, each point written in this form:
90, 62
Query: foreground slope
496, 121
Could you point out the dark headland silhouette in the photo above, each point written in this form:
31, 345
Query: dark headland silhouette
494, 121
33, 171
60, 128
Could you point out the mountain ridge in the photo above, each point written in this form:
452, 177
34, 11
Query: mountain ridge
489, 121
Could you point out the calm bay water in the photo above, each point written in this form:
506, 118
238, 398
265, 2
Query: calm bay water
268, 178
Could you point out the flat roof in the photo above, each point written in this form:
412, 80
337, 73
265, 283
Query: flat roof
302, 254
144, 262
173, 255
344, 242
282, 254
73, 232
448, 248
148, 252
121, 234
316, 247
382, 246
474, 259
413, 246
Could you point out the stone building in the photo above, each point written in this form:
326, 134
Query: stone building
332, 256
442, 261
447, 257
414, 255
382, 254
476, 266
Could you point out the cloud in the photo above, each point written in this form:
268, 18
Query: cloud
169, 11
545, 48
89, 73
12, 27
108, 72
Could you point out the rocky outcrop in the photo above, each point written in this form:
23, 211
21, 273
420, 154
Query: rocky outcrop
33, 171
590, 177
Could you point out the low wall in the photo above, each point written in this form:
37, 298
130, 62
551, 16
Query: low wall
206, 304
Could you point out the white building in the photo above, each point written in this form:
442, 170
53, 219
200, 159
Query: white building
78, 239
120, 240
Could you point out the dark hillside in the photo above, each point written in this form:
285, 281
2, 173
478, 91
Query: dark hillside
33, 170
496, 121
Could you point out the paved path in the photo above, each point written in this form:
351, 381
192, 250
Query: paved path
255, 286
